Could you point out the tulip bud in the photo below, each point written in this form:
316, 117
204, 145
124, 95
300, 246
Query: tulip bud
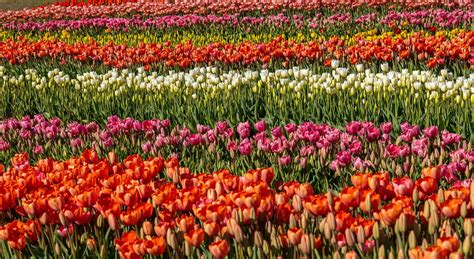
322, 225
211, 194
399, 170
426, 210
472, 192
91, 244
401, 254
336, 255
360, 235
424, 244
62, 218
171, 239
113, 224
468, 227
403, 223
57, 249
466, 245
376, 231
304, 222
83, 238
44, 218
266, 247
381, 252
253, 214
304, 245
330, 199
431, 226
187, 249
297, 203
415, 196
391, 255
327, 231
292, 221
350, 239
240, 215
368, 202
412, 239
112, 156
103, 251
331, 220
147, 227
464, 210
219, 189
268, 227
257, 238
100, 220
440, 196
237, 232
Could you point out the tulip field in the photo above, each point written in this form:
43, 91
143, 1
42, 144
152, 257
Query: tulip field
237, 129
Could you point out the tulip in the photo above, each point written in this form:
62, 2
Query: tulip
219, 249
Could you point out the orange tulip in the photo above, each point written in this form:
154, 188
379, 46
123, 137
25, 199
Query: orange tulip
360, 180
343, 220
390, 213
317, 205
211, 228
350, 196
434, 172
451, 244
436, 252
294, 236
185, 223
427, 185
195, 237
451, 208
375, 200
219, 249
156, 246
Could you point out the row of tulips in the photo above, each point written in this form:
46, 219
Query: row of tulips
432, 51
321, 2
153, 9
203, 37
437, 18
308, 147
208, 94
155, 207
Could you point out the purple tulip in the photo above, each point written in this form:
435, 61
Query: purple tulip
355, 147
386, 127
284, 160
202, 129
76, 143
195, 139
392, 151
290, 128
232, 146
448, 138
38, 149
431, 132
165, 123
243, 129
344, 158
373, 134
146, 147
260, 126
277, 132
221, 126
4, 146
245, 147
353, 127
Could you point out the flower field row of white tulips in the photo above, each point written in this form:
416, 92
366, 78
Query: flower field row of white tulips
211, 81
